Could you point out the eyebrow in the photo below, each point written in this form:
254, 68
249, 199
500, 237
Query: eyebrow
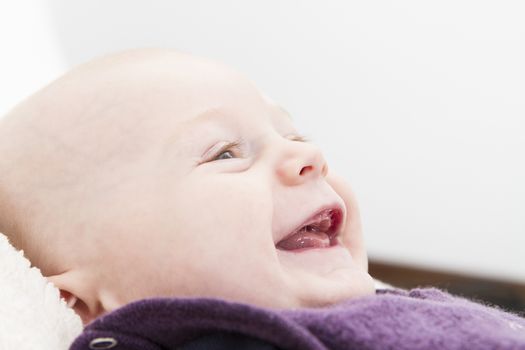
218, 114
213, 115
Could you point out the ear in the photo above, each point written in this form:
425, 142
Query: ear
77, 296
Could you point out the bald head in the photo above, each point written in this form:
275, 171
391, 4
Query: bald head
63, 149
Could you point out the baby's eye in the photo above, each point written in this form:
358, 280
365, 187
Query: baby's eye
219, 157
300, 138
227, 149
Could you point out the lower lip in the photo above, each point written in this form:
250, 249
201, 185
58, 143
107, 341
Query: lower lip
320, 260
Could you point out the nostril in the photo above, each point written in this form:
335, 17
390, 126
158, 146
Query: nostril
304, 169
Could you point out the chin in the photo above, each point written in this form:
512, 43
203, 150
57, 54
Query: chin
343, 286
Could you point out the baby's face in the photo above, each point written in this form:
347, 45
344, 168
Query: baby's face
193, 215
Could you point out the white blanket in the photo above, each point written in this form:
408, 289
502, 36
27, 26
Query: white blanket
32, 314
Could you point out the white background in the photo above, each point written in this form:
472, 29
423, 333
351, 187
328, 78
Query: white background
419, 104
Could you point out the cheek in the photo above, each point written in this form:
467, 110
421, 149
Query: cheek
223, 237
353, 235
227, 216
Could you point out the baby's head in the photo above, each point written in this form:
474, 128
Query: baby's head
155, 173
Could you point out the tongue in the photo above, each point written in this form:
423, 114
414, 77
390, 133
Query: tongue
305, 239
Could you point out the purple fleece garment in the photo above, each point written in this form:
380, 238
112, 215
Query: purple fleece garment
421, 318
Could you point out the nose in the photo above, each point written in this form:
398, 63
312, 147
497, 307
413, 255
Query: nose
300, 162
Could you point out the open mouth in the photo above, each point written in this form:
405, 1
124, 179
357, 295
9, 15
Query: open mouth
321, 231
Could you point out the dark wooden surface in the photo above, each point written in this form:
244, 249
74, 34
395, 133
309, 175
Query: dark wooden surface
505, 294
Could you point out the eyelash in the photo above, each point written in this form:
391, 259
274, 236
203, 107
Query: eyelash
237, 145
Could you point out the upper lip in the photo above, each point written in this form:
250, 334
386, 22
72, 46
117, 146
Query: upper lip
338, 217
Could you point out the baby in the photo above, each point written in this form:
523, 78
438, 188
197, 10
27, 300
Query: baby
176, 206
153, 173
